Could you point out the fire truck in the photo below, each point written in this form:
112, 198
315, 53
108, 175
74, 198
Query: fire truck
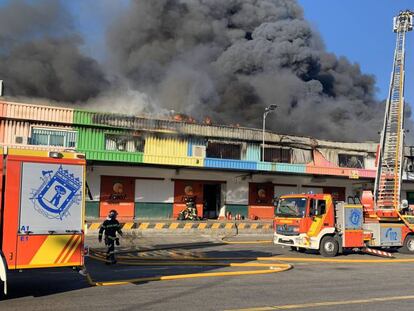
380, 219
42, 208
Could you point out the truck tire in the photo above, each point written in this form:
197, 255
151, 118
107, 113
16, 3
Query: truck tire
408, 246
329, 247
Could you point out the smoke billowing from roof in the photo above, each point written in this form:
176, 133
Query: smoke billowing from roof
224, 59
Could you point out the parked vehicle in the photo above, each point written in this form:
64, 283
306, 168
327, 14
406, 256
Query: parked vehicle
42, 210
314, 221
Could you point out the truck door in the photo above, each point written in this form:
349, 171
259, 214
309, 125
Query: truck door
45, 206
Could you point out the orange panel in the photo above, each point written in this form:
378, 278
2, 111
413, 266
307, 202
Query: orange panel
261, 194
117, 193
178, 207
183, 188
11, 212
125, 210
46, 251
261, 212
354, 238
11, 239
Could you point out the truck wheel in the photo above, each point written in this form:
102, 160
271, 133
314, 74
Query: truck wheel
329, 247
408, 246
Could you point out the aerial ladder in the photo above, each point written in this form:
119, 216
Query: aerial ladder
381, 220
387, 190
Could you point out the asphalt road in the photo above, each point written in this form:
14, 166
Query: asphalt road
308, 286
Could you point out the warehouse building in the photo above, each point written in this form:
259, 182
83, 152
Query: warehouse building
145, 167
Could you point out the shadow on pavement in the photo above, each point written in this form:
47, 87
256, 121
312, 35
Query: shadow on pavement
42, 282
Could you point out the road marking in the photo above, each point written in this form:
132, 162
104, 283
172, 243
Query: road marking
143, 225
128, 226
159, 226
327, 303
202, 226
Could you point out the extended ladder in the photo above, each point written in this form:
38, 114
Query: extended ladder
388, 181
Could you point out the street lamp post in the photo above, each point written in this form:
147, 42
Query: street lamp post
268, 110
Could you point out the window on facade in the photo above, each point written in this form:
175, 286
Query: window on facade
280, 155
223, 151
350, 160
53, 137
125, 143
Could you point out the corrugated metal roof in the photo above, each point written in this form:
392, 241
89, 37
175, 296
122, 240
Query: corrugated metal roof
89, 118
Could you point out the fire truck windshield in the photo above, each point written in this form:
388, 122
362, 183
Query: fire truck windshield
291, 207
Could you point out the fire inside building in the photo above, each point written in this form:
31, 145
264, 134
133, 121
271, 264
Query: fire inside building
144, 168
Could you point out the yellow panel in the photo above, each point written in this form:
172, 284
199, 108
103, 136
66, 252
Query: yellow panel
202, 226
50, 249
316, 225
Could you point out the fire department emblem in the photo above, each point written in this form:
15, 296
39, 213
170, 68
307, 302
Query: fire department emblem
58, 192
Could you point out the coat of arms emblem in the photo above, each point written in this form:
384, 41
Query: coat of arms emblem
58, 192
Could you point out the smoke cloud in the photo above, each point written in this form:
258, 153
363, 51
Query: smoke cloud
40, 54
224, 59
231, 59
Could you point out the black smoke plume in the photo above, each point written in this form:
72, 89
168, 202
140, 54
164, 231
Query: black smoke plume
40, 54
231, 59
224, 59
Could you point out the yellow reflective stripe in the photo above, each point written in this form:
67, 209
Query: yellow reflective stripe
50, 249
94, 226
30, 266
70, 250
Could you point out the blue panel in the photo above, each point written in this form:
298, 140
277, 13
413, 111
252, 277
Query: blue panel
353, 218
391, 236
291, 168
264, 166
230, 164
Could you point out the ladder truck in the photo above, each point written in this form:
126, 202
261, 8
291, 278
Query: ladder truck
380, 219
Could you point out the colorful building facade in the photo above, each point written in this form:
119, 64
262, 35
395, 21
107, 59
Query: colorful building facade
145, 167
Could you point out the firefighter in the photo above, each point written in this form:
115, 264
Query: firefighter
111, 226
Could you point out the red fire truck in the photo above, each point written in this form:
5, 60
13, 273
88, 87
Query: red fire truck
308, 221
42, 208
315, 221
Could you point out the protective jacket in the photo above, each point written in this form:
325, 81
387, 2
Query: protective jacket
110, 227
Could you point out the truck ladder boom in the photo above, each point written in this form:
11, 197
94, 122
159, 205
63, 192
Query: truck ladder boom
388, 180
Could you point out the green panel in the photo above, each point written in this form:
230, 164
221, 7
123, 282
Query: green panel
82, 117
235, 209
92, 209
153, 210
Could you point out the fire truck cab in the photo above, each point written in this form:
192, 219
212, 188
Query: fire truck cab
41, 211
315, 221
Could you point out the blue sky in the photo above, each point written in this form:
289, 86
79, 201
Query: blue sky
361, 30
